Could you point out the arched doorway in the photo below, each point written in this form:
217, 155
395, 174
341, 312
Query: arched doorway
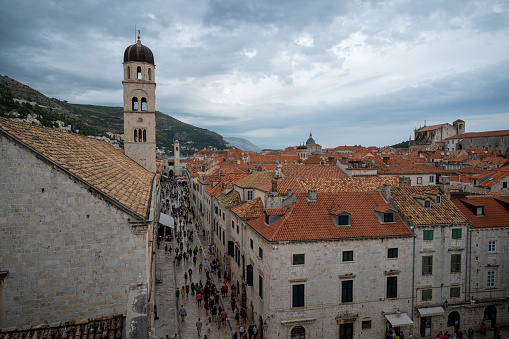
454, 320
298, 332
490, 313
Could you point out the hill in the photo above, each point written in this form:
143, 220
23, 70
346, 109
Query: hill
243, 144
92, 120
403, 144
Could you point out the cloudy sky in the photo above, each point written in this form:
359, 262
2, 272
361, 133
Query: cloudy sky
350, 71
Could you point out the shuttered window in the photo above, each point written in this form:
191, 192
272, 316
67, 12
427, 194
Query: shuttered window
249, 270
298, 295
427, 265
455, 263
346, 291
392, 287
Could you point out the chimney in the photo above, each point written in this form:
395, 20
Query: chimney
289, 192
387, 160
274, 186
344, 160
386, 192
311, 195
404, 181
445, 185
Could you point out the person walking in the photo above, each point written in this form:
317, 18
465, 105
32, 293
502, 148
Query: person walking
182, 312
199, 324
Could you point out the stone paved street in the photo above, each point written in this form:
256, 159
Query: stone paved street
168, 324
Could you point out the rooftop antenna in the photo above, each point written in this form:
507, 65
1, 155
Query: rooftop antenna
138, 34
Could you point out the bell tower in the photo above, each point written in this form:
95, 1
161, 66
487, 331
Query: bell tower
176, 157
139, 105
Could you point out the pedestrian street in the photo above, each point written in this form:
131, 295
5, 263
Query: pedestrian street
169, 322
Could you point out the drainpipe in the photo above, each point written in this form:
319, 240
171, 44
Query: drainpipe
413, 275
470, 264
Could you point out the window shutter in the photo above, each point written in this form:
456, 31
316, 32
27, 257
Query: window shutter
249, 275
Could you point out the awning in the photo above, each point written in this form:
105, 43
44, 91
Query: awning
166, 220
400, 319
429, 311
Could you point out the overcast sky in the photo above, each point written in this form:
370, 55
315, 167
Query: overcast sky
352, 72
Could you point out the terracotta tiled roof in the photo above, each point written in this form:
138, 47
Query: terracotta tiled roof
493, 177
495, 214
443, 213
229, 200
250, 209
402, 166
271, 159
480, 134
93, 161
229, 178
255, 179
304, 220
313, 171
334, 185
430, 128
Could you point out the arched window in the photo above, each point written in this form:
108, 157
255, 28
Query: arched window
298, 332
144, 135
135, 104
144, 104
139, 73
135, 135
149, 74
128, 72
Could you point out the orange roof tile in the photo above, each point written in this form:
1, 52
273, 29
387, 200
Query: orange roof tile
443, 213
306, 221
480, 134
495, 214
334, 185
255, 179
250, 209
93, 161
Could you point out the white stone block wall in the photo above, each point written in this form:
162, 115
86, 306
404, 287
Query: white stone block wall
70, 254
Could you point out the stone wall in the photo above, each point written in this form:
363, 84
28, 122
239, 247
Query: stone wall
109, 327
69, 253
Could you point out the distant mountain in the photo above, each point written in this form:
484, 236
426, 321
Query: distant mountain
97, 120
242, 144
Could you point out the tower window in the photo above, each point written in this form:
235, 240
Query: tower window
135, 135
149, 74
144, 135
128, 72
144, 104
139, 72
135, 104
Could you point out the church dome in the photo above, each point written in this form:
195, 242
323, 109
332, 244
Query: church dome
138, 52
310, 141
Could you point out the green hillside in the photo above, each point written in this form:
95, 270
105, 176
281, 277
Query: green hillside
97, 120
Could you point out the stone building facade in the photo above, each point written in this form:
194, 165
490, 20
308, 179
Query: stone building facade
297, 273
490, 140
77, 226
433, 137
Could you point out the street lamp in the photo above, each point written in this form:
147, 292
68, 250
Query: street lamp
265, 326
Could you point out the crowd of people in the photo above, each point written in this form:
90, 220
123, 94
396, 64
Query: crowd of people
206, 294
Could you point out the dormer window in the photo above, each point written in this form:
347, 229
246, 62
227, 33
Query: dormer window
340, 217
480, 211
389, 216
427, 203
344, 219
